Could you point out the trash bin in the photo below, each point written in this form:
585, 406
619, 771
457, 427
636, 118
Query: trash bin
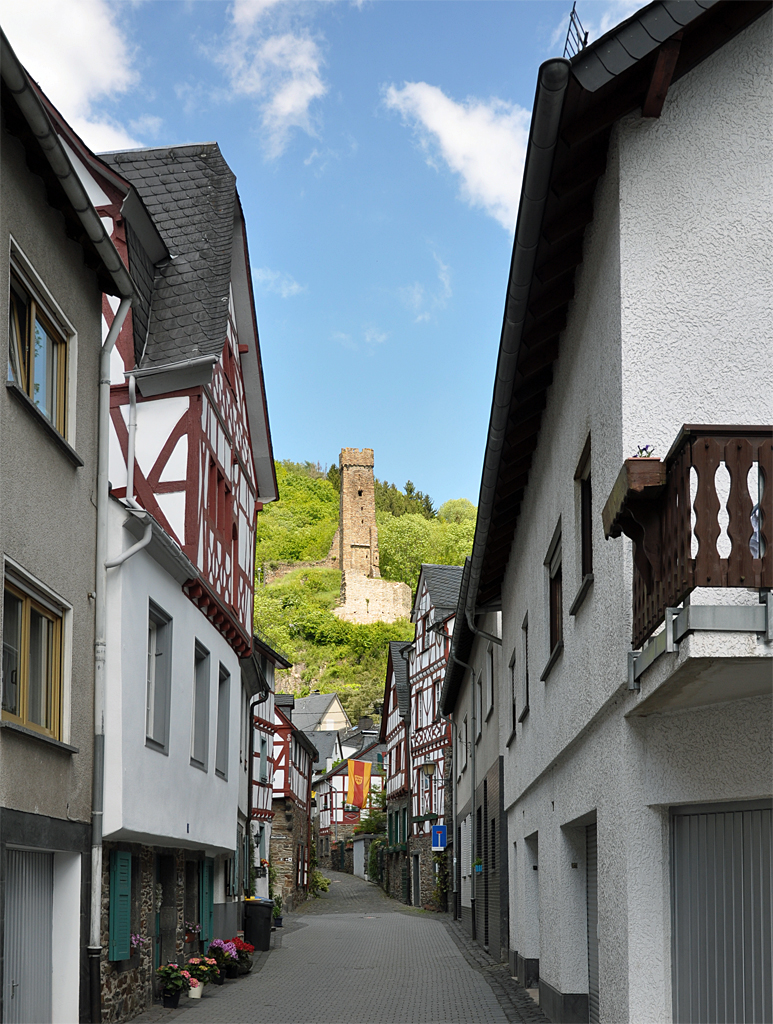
257, 922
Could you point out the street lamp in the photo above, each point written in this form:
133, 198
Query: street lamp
429, 768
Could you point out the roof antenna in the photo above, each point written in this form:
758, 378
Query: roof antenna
576, 36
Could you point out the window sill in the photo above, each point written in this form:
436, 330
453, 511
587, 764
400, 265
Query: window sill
15, 727
510, 738
555, 654
155, 745
489, 713
587, 583
221, 775
26, 402
198, 764
524, 713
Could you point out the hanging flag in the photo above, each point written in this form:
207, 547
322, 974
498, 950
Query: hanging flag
359, 783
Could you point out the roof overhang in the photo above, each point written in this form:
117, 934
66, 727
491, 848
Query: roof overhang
576, 106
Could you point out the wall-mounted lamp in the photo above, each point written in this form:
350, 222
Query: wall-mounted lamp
429, 768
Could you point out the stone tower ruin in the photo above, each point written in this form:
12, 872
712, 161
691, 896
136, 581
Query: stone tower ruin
365, 597
357, 522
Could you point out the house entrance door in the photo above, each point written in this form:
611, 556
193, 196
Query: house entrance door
29, 901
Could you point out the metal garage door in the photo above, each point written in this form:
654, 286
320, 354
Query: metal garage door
29, 895
721, 913
591, 875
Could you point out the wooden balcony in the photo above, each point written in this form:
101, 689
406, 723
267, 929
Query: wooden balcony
701, 517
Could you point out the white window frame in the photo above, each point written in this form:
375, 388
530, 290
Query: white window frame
158, 674
200, 705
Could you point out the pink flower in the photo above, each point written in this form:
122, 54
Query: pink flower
194, 983
185, 974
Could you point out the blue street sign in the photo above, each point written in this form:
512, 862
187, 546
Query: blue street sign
438, 838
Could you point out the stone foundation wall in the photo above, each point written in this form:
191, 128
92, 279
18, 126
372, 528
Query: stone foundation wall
372, 600
289, 830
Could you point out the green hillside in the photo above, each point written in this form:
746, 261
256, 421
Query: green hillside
294, 613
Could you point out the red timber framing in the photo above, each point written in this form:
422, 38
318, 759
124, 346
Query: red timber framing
203, 464
263, 778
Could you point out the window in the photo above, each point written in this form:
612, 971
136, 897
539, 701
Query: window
489, 680
582, 475
553, 563
463, 741
223, 709
200, 730
478, 705
513, 690
525, 669
493, 845
263, 759
405, 825
37, 355
159, 679
389, 825
32, 660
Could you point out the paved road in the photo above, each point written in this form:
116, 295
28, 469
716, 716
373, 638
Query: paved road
354, 955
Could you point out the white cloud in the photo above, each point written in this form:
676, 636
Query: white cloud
147, 125
483, 142
371, 337
374, 337
278, 282
282, 71
78, 53
421, 303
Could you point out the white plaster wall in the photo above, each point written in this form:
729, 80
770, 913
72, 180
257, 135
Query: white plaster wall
159, 796
696, 227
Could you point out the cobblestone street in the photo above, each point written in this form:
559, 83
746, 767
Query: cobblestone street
354, 955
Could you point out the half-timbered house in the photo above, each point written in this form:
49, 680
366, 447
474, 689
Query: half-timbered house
261, 810
336, 818
291, 835
394, 734
189, 465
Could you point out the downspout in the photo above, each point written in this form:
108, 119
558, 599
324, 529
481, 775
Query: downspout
100, 640
250, 777
408, 758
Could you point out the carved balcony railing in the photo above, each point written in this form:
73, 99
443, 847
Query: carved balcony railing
702, 517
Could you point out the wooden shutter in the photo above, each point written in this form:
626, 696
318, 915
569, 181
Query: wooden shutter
206, 899
119, 947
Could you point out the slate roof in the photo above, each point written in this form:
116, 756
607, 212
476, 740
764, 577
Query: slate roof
327, 745
309, 710
190, 192
443, 582
400, 668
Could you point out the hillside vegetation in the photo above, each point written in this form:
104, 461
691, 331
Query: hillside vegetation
295, 613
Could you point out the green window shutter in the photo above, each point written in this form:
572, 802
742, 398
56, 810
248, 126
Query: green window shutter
119, 947
206, 898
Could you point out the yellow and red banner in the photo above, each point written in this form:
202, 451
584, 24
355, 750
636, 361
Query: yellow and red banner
359, 783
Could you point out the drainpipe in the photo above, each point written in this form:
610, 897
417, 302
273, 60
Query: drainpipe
408, 759
100, 631
255, 702
471, 670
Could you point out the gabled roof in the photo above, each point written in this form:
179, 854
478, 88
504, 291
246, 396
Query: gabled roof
443, 585
327, 744
370, 752
190, 192
576, 106
461, 648
400, 669
309, 711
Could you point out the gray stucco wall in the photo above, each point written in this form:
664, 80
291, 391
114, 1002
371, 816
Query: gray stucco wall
47, 512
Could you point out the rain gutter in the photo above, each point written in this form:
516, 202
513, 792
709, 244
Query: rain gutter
552, 84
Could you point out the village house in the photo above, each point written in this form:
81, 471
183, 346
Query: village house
291, 833
56, 261
481, 733
190, 465
419, 740
335, 818
621, 536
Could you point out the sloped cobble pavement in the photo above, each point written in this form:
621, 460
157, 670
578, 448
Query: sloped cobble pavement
354, 955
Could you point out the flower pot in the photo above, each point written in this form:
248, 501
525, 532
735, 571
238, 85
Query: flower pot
277, 922
245, 966
196, 993
171, 999
232, 970
220, 979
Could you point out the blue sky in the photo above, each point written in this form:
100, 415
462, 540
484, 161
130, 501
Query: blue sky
378, 149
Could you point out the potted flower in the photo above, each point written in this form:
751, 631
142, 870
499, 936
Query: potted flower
227, 958
192, 931
174, 980
263, 868
202, 970
478, 865
137, 942
277, 911
245, 951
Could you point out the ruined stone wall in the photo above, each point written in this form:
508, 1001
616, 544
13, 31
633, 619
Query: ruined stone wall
359, 536
372, 600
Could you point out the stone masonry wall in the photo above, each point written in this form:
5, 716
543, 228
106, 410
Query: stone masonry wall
287, 832
372, 600
359, 536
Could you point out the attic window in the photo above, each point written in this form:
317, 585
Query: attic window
360, 493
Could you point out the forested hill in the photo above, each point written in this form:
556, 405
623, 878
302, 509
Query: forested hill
295, 612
